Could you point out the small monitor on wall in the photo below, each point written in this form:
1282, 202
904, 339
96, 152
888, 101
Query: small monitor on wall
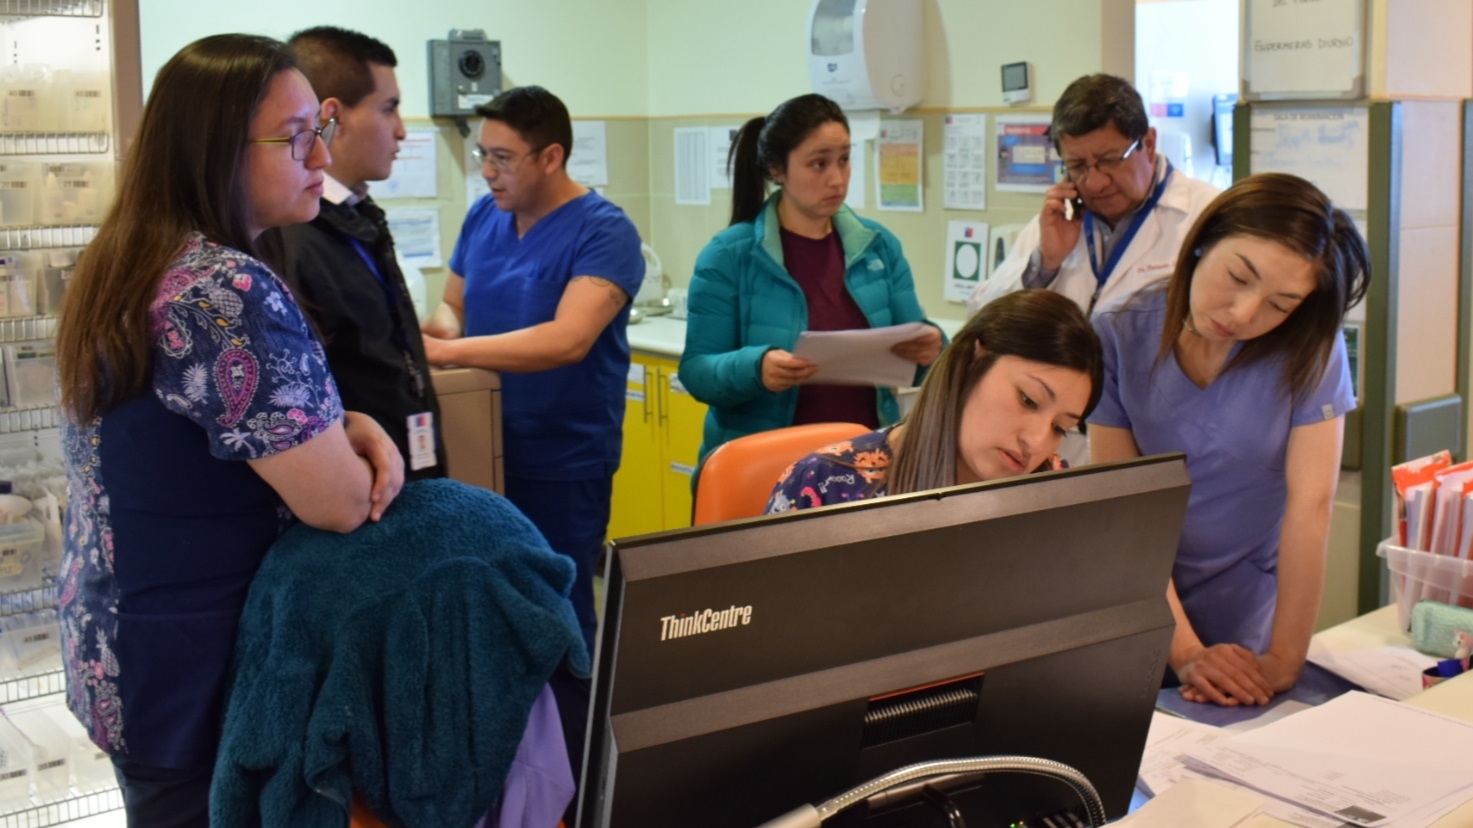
1017, 83
747, 668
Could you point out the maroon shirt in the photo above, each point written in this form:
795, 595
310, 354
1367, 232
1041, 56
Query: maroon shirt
818, 267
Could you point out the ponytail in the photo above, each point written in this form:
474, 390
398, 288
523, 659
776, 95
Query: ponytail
748, 179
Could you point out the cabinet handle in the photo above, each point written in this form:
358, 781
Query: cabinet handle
644, 382
664, 407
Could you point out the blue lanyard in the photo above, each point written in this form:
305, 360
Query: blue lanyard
1125, 238
401, 336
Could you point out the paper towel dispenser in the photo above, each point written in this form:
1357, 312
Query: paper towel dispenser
866, 54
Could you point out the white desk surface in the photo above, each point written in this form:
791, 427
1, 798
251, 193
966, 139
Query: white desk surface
1451, 698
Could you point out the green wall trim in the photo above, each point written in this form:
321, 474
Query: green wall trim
1378, 352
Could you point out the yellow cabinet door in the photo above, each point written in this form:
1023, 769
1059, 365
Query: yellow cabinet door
682, 420
636, 508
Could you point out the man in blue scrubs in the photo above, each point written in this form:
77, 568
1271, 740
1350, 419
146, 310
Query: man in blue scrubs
539, 290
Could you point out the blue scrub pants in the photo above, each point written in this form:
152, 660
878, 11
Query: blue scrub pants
574, 517
165, 797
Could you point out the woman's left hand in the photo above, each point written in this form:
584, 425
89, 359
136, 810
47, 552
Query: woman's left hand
369, 441
922, 350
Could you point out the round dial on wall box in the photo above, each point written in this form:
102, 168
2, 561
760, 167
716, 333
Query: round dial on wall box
472, 64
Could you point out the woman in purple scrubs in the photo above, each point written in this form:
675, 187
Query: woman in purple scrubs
1239, 362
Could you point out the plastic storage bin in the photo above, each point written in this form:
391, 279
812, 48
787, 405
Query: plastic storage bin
21, 547
74, 193
1424, 576
19, 183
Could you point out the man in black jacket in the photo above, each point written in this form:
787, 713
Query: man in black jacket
342, 267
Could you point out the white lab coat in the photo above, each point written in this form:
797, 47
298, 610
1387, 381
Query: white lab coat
1151, 255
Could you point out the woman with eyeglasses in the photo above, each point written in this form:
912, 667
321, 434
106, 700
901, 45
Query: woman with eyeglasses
795, 261
200, 417
1239, 362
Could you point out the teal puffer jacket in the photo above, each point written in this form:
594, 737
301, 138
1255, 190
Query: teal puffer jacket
743, 303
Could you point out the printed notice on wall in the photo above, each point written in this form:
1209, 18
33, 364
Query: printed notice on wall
1329, 145
898, 165
1026, 160
416, 234
721, 141
858, 178
1304, 49
692, 165
415, 170
966, 247
588, 163
965, 162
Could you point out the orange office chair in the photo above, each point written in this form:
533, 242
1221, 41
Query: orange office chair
737, 478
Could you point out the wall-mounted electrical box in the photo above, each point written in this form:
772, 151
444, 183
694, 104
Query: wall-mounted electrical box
465, 72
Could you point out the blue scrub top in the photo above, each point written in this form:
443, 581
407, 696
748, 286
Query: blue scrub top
566, 423
1235, 433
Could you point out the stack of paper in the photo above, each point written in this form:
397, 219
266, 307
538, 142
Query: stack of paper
1358, 759
1393, 672
1170, 741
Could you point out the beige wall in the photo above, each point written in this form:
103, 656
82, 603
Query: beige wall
717, 81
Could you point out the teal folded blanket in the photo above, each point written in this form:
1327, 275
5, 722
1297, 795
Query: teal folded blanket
398, 662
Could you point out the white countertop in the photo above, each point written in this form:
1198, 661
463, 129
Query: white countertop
665, 335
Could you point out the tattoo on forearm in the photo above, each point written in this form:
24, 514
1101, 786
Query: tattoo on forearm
616, 293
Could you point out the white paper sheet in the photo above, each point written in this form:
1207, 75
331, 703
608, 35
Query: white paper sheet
899, 165
966, 258
415, 173
1393, 672
721, 141
692, 165
1200, 803
858, 177
965, 162
588, 164
416, 234
859, 357
1367, 760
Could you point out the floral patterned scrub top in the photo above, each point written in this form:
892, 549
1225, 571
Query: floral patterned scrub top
846, 471
165, 525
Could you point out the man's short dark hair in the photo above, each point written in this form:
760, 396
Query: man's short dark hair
536, 114
1095, 102
336, 61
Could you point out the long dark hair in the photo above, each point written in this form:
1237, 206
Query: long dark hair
1036, 325
1288, 210
182, 174
763, 144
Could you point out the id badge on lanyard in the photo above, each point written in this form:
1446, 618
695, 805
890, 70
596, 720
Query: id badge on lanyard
1103, 274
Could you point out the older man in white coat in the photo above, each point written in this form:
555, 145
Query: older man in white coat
1116, 223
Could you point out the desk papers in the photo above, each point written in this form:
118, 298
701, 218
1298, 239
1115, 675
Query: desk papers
1196, 802
1365, 760
1393, 672
860, 357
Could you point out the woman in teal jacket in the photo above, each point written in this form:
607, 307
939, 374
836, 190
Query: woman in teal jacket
800, 260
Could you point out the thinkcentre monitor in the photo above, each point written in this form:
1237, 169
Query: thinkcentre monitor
747, 668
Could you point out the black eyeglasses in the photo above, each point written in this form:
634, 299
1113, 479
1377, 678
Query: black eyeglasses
1108, 165
301, 143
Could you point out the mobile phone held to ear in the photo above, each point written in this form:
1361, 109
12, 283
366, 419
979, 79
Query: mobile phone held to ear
1073, 209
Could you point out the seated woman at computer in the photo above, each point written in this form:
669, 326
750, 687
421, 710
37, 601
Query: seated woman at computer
1022, 372
1239, 362
798, 260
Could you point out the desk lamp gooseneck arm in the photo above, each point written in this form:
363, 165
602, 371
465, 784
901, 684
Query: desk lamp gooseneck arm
810, 816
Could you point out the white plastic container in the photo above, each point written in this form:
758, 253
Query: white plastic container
25, 95
51, 745
1425, 576
86, 101
19, 181
21, 545
75, 193
17, 767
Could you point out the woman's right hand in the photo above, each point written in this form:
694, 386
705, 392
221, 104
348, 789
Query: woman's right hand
781, 370
1224, 674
